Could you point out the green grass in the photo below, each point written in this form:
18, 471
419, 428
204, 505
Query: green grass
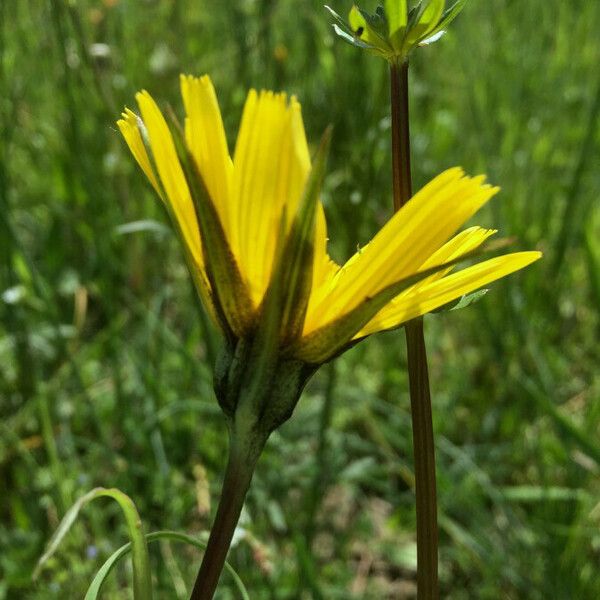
105, 374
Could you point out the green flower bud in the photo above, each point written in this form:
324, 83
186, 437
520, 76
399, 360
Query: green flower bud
394, 29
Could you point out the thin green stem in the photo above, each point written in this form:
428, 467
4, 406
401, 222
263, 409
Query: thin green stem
52, 451
321, 473
244, 451
307, 569
574, 214
420, 398
142, 575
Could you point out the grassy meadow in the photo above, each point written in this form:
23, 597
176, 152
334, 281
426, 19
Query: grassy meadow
106, 358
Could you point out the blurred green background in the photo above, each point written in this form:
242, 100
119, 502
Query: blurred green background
105, 374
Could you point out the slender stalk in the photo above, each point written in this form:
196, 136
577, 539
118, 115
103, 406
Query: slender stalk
401, 173
244, 451
420, 398
574, 214
52, 452
424, 453
321, 473
142, 573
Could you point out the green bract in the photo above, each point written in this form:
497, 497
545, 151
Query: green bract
394, 29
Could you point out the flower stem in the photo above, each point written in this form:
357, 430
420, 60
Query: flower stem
420, 398
424, 456
244, 450
401, 172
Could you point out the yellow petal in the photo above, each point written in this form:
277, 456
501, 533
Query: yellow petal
271, 164
205, 138
177, 197
423, 299
463, 243
129, 127
404, 244
171, 174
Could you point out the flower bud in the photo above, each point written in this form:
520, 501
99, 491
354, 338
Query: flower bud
394, 29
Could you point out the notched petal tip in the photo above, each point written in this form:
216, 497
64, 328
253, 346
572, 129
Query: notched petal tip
127, 114
128, 122
143, 94
479, 183
186, 79
134, 132
450, 174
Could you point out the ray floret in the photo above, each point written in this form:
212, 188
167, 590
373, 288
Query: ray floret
253, 228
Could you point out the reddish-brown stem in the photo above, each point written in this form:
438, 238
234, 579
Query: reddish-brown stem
243, 455
420, 398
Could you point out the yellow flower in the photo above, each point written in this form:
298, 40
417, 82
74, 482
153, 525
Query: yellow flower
394, 29
254, 232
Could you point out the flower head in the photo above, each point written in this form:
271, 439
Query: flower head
395, 29
254, 234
